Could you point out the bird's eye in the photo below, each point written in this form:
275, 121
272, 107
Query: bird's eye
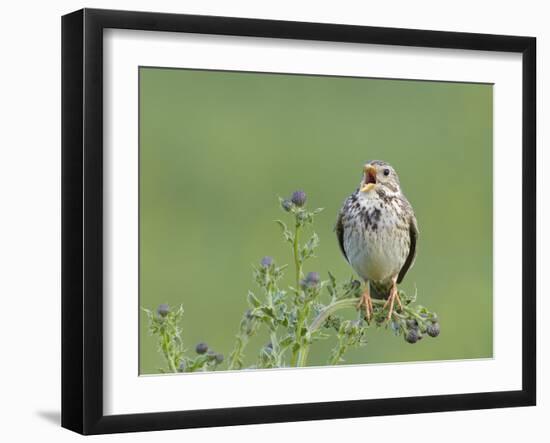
386, 172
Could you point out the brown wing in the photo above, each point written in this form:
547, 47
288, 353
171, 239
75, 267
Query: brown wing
339, 229
413, 232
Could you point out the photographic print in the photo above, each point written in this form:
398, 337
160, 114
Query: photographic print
256, 208
290, 220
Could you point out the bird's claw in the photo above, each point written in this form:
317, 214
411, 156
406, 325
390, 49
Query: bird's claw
366, 301
394, 296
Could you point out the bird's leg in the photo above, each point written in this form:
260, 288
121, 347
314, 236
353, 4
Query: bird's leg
394, 295
366, 301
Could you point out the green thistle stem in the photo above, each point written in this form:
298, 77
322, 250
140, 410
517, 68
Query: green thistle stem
167, 354
302, 356
321, 319
297, 260
298, 268
236, 356
338, 353
275, 347
324, 315
293, 358
273, 332
331, 309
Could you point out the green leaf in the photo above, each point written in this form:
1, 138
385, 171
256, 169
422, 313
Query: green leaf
331, 287
287, 234
259, 313
278, 296
286, 342
269, 311
253, 300
308, 249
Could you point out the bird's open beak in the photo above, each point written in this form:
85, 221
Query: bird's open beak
370, 178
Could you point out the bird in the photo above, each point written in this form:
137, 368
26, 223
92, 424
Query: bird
378, 234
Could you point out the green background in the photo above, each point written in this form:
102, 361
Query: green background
218, 148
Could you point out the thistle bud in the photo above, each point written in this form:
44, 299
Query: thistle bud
266, 261
312, 279
201, 348
299, 198
433, 329
412, 336
287, 205
163, 310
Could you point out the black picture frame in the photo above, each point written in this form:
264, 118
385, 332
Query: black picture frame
82, 220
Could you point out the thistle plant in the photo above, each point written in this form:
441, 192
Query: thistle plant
165, 325
294, 316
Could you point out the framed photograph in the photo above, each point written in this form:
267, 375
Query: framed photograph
269, 221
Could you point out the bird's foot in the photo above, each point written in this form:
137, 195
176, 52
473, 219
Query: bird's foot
366, 301
394, 296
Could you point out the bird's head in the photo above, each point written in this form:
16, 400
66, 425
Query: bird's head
379, 175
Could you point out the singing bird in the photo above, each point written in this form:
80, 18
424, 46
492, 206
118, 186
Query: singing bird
377, 232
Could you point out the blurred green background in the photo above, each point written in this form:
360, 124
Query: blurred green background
218, 148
